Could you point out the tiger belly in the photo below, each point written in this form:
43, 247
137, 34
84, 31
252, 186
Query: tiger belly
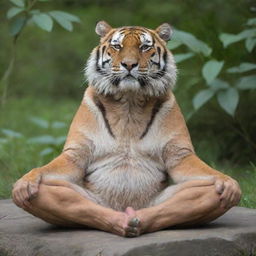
122, 180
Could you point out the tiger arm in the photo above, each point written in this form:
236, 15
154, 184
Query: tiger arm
69, 166
183, 165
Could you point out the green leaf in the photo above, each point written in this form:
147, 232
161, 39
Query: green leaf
44, 21
19, 3
247, 83
250, 43
173, 44
64, 15
218, 84
35, 11
39, 122
11, 133
13, 12
43, 139
243, 67
58, 125
16, 25
46, 151
192, 42
228, 39
62, 20
211, 69
251, 22
184, 56
202, 97
228, 100
3, 141
60, 140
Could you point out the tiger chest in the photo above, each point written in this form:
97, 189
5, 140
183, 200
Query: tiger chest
126, 173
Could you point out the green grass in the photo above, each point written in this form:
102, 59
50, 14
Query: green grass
18, 155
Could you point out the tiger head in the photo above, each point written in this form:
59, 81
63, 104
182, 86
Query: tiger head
132, 59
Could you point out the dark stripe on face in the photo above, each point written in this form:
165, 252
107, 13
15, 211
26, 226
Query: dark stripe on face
98, 69
103, 112
160, 73
142, 81
165, 59
153, 43
159, 52
105, 62
115, 81
155, 110
156, 63
103, 50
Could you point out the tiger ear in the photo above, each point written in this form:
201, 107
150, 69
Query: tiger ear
102, 28
164, 31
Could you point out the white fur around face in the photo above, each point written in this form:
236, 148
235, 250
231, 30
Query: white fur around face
117, 38
146, 39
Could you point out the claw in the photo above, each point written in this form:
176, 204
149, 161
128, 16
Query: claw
132, 234
134, 222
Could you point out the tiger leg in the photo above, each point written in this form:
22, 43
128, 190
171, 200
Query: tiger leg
59, 203
190, 203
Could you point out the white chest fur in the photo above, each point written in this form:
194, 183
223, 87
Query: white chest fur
125, 171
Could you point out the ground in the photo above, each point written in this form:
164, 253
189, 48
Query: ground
22, 234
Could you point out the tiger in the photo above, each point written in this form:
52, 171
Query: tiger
128, 148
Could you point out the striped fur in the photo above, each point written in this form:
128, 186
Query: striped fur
128, 137
154, 74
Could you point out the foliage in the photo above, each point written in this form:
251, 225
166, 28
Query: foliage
227, 94
23, 13
223, 81
22, 144
51, 144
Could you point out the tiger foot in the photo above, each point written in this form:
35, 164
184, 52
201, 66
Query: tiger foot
125, 223
132, 223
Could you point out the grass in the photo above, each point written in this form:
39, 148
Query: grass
19, 154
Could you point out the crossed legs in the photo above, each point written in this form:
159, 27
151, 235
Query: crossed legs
190, 203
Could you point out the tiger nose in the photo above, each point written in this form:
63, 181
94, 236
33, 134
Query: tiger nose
129, 64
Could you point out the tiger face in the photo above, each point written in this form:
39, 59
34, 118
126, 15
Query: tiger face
132, 59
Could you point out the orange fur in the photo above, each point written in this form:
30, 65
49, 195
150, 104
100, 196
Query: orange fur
125, 144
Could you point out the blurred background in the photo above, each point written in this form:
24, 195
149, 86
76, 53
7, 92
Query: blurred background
44, 46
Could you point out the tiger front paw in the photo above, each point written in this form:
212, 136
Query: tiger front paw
23, 191
229, 190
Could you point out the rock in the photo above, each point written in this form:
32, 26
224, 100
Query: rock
24, 235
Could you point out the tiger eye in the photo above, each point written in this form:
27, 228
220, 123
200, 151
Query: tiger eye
145, 47
116, 46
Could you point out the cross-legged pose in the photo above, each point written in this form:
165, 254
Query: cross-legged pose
128, 165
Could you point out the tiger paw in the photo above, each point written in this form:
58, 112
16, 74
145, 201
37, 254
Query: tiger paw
24, 191
229, 190
132, 226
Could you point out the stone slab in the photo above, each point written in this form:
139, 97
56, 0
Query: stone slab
24, 235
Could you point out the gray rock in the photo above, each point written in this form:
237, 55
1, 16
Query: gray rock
24, 235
